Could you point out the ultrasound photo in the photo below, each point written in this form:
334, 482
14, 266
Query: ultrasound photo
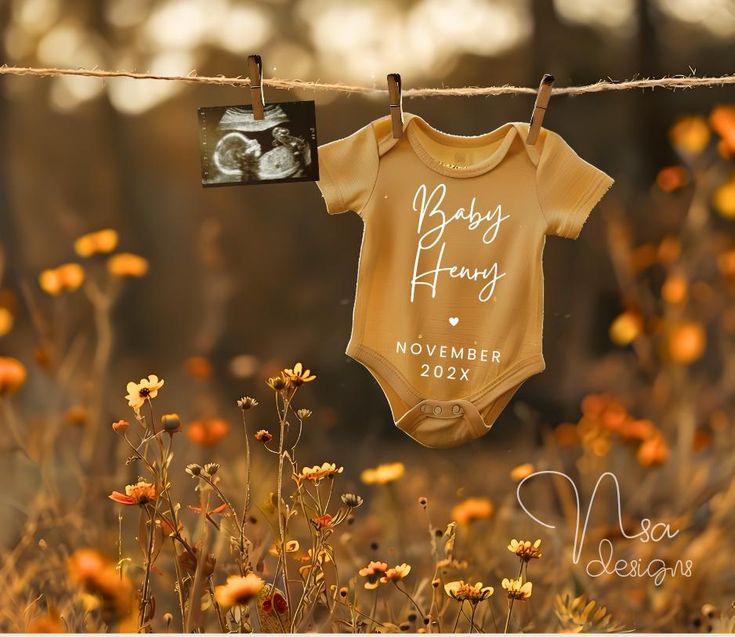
237, 149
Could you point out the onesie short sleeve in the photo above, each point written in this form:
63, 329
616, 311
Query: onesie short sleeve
348, 169
568, 187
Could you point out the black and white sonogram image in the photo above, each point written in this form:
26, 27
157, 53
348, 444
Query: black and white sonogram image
239, 149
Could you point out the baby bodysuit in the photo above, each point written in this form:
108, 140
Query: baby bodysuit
448, 313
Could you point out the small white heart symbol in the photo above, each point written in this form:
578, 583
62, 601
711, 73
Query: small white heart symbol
453, 320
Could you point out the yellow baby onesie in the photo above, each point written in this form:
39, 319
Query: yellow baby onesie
448, 312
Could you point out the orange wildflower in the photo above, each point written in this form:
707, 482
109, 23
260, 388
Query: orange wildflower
722, 120
140, 493
99, 242
12, 375
65, 278
238, 590
690, 135
207, 433
126, 264
471, 510
686, 342
654, 451
672, 178
374, 571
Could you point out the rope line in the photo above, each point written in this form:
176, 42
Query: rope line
669, 82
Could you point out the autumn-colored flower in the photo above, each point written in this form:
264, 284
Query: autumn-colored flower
472, 510
171, 423
279, 383
238, 590
263, 435
517, 588
207, 433
323, 521
198, 367
65, 278
464, 592
625, 328
525, 549
352, 500
690, 135
99, 242
146, 389
48, 623
374, 571
12, 375
722, 120
76, 416
384, 473
304, 413
672, 178
86, 564
246, 402
98, 576
654, 451
686, 342
126, 264
140, 493
521, 471
318, 473
674, 289
396, 573
298, 375
723, 199
637, 429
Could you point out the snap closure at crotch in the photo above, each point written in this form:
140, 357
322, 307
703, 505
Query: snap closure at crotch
439, 423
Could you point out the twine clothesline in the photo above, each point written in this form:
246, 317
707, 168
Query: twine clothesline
668, 82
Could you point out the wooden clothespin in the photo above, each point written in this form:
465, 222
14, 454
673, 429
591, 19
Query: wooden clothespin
255, 73
395, 101
539, 108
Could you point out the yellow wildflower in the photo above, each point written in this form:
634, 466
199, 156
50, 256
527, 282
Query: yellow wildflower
317, 473
238, 590
517, 588
465, 592
525, 549
374, 573
126, 264
146, 389
384, 473
298, 375
471, 510
100, 242
396, 573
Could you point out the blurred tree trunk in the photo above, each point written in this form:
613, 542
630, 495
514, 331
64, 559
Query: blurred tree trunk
651, 123
8, 233
546, 30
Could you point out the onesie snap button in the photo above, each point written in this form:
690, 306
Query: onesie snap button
457, 409
437, 410
425, 409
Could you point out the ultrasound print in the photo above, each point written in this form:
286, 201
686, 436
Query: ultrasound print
239, 149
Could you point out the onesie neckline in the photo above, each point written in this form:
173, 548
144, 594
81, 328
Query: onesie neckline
506, 133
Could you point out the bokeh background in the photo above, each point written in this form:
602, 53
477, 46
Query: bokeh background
243, 281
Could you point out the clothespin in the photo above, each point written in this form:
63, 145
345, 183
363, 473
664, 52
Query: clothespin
539, 108
255, 73
395, 101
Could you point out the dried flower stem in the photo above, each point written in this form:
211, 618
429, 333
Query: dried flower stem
510, 602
